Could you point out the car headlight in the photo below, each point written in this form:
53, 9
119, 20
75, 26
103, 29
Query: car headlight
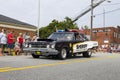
52, 46
26, 45
30, 46
48, 46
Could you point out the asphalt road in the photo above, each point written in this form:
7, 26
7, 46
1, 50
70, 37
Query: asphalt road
98, 67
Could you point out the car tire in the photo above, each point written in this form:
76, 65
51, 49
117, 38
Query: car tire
69, 55
35, 56
87, 54
63, 53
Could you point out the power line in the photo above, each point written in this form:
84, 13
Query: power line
87, 10
108, 12
111, 4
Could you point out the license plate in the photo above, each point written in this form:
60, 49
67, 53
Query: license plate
38, 52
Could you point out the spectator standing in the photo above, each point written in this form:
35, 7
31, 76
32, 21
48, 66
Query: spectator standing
20, 41
3, 41
26, 37
35, 37
10, 42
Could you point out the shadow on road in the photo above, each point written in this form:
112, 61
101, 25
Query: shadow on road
56, 58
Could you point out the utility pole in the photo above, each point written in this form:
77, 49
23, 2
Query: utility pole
104, 20
91, 20
104, 17
38, 26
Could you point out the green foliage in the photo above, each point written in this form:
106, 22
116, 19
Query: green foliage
86, 27
66, 24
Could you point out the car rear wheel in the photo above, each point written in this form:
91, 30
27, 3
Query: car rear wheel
87, 54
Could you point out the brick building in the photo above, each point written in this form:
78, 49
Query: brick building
105, 36
17, 26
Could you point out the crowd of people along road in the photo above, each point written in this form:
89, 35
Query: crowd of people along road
9, 44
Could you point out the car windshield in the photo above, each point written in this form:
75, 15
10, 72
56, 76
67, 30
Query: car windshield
61, 36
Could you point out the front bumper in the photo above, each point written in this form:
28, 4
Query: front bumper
41, 51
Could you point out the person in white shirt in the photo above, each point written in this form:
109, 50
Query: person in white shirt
26, 37
3, 41
35, 37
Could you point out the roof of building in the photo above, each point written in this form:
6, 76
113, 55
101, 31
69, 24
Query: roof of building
11, 21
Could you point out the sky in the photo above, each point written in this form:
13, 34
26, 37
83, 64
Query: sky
27, 11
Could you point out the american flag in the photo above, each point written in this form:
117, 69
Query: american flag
82, 30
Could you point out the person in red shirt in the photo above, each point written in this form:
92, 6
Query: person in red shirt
10, 39
20, 41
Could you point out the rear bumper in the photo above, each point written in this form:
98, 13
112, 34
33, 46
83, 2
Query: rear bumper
41, 51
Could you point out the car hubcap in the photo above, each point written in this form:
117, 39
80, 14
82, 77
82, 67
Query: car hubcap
64, 53
89, 52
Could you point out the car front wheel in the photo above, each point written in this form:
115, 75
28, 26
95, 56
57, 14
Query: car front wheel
63, 53
35, 56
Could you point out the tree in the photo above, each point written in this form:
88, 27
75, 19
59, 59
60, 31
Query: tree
86, 27
55, 24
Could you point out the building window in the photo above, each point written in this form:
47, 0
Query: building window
107, 30
116, 35
100, 31
95, 31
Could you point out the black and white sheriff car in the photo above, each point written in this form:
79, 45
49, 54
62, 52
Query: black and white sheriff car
61, 44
